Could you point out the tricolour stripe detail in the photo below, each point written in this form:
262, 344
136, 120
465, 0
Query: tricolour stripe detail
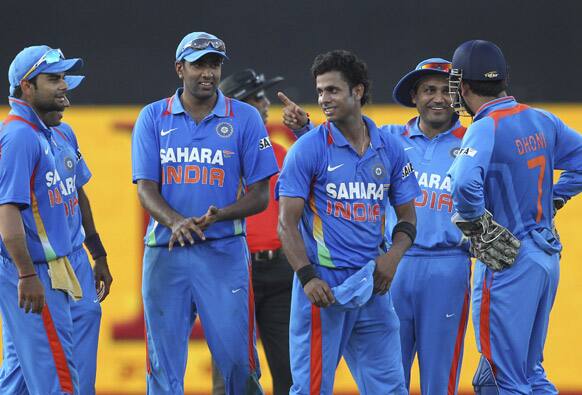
316, 353
252, 362
49, 252
454, 372
484, 320
323, 254
63, 372
459, 132
12, 117
148, 365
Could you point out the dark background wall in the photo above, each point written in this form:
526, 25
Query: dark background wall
129, 45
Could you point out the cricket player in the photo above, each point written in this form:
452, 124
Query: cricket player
335, 187
503, 191
431, 288
34, 231
194, 154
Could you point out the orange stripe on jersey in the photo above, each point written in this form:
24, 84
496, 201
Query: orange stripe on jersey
168, 109
63, 372
459, 132
484, 319
499, 114
458, 346
252, 362
330, 140
316, 363
11, 118
61, 134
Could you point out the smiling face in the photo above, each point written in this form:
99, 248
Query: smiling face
433, 101
335, 97
201, 78
46, 94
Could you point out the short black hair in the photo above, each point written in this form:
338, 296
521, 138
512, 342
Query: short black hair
487, 88
18, 90
353, 69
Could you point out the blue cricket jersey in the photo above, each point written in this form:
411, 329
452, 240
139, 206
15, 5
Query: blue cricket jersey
431, 159
198, 165
30, 177
74, 174
506, 166
346, 195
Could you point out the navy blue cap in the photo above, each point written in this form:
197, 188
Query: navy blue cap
189, 54
480, 60
401, 93
35, 60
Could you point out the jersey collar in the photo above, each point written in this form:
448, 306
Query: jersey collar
222, 108
339, 139
494, 105
412, 128
22, 109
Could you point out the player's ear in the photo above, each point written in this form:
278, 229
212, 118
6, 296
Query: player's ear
358, 91
413, 96
180, 69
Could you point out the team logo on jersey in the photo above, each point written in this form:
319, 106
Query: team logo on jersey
455, 152
224, 129
378, 170
407, 170
264, 143
468, 151
227, 154
69, 164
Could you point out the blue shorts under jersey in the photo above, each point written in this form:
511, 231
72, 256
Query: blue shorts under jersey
213, 160
346, 195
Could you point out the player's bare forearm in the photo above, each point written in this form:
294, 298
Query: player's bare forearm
290, 211
14, 238
255, 200
152, 201
86, 213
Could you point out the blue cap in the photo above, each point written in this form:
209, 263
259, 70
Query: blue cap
401, 93
183, 52
480, 60
356, 290
27, 59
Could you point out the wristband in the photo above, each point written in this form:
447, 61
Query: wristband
406, 228
95, 247
306, 274
26, 276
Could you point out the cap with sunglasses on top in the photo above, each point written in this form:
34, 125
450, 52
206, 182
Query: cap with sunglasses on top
42, 59
401, 93
246, 83
197, 44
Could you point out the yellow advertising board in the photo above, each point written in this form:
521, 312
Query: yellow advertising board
104, 136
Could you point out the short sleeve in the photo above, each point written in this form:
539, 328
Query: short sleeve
403, 184
145, 157
259, 160
19, 154
299, 168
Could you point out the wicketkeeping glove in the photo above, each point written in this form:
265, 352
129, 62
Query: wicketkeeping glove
491, 243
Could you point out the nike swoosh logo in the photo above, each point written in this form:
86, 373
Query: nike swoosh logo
166, 132
407, 148
236, 290
330, 168
449, 315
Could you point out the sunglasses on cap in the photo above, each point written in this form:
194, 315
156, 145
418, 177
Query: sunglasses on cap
203, 43
49, 57
446, 67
